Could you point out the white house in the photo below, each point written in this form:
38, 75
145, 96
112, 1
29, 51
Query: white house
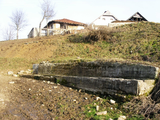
62, 25
103, 20
58, 27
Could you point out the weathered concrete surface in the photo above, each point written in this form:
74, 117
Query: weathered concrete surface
100, 69
108, 85
35, 68
101, 84
104, 77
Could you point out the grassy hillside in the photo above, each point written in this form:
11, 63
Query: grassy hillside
134, 42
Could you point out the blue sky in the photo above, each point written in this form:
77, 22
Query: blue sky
85, 11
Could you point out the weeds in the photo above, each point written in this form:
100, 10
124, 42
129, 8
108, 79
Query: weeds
113, 111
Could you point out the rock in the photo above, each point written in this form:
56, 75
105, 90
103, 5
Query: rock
112, 101
110, 119
51, 76
97, 108
11, 82
122, 117
78, 57
10, 73
85, 98
19, 73
98, 98
52, 83
29, 88
15, 75
102, 113
1, 99
35, 68
55, 87
48, 82
22, 71
28, 72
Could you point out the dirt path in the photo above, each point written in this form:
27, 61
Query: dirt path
23, 99
5, 88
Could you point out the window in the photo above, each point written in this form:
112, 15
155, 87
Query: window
104, 19
52, 26
63, 26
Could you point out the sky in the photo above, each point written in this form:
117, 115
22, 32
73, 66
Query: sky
85, 11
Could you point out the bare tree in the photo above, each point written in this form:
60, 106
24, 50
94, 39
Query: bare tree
18, 20
8, 33
47, 13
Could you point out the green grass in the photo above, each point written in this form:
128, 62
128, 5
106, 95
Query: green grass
113, 111
138, 42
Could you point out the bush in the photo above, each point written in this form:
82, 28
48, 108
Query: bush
102, 33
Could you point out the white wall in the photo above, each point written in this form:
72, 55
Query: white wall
104, 20
80, 27
57, 25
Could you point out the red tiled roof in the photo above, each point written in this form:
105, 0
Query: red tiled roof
67, 21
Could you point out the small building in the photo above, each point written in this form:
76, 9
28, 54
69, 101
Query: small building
103, 20
63, 25
137, 17
33, 33
60, 26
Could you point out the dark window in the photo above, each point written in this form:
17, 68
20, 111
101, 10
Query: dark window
52, 26
63, 26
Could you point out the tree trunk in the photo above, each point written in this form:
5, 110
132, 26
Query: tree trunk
47, 27
17, 34
40, 27
47, 30
39, 34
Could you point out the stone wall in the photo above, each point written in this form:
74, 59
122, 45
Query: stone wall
100, 69
108, 85
104, 77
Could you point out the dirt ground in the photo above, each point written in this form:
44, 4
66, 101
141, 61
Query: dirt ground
28, 99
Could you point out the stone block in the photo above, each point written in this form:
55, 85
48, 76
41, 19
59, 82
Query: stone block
103, 69
35, 68
107, 85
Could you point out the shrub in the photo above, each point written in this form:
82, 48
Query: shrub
102, 33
